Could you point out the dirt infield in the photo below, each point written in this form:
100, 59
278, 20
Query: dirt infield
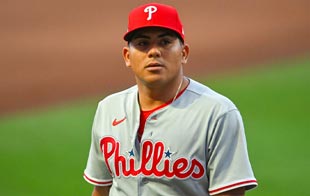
53, 51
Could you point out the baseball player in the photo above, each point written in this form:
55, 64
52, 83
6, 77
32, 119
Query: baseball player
168, 134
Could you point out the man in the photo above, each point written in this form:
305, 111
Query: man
167, 135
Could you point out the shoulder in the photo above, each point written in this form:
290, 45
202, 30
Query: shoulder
206, 96
118, 98
114, 104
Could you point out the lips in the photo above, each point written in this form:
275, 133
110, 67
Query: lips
154, 64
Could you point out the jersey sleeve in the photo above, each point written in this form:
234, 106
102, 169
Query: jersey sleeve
229, 166
96, 171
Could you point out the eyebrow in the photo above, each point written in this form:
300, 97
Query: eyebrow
148, 37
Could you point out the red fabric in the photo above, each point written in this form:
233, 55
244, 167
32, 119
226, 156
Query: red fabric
154, 15
232, 186
145, 114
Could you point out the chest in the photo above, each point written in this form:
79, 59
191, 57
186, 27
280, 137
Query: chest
172, 146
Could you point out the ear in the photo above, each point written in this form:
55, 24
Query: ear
126, 56
185, 53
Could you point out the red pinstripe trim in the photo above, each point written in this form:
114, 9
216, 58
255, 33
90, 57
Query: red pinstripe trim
96, 182
232, 185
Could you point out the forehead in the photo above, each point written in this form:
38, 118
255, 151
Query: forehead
151, 32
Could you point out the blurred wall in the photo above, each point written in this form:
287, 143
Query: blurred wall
53, 51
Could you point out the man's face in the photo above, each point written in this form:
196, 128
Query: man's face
155, 55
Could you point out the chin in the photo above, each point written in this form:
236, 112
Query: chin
154, 79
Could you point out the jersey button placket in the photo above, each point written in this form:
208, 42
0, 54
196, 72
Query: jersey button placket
148, 132
152, 120
145, 181
141, 185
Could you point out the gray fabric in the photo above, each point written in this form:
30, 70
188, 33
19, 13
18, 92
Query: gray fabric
195, 146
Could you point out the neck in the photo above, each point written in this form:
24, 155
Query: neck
155, 96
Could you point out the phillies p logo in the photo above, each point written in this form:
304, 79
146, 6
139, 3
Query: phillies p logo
150, 10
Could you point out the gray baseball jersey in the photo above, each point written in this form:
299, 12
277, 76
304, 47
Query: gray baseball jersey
194, 146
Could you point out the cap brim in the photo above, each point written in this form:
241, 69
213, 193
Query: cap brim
128, 36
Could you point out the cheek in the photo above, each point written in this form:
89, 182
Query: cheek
136, 62
133, 58
175, 57
177, 52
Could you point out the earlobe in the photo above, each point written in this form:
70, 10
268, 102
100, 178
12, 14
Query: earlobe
126, 56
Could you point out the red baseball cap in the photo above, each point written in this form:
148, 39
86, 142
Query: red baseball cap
154, 15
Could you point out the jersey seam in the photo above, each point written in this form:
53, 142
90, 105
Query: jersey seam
219, 118
241, 183
97, 181
226, 113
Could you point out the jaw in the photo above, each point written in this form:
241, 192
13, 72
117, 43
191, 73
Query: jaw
158, 78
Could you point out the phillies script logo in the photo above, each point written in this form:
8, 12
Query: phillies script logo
152, 155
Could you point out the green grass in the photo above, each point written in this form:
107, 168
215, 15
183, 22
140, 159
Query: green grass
274, 103
44, 153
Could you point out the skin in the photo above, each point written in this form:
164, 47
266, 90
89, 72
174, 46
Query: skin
156, 56
101, 191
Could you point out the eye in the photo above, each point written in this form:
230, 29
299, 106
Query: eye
165, 42
141, 43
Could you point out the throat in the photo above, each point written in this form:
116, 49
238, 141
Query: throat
150, 99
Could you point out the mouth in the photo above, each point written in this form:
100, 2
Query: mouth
154, 65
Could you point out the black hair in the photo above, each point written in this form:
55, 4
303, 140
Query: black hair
131, 35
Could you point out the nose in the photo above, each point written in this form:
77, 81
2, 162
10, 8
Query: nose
154, 52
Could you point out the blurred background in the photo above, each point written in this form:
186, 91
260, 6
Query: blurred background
59, 58
53, 51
